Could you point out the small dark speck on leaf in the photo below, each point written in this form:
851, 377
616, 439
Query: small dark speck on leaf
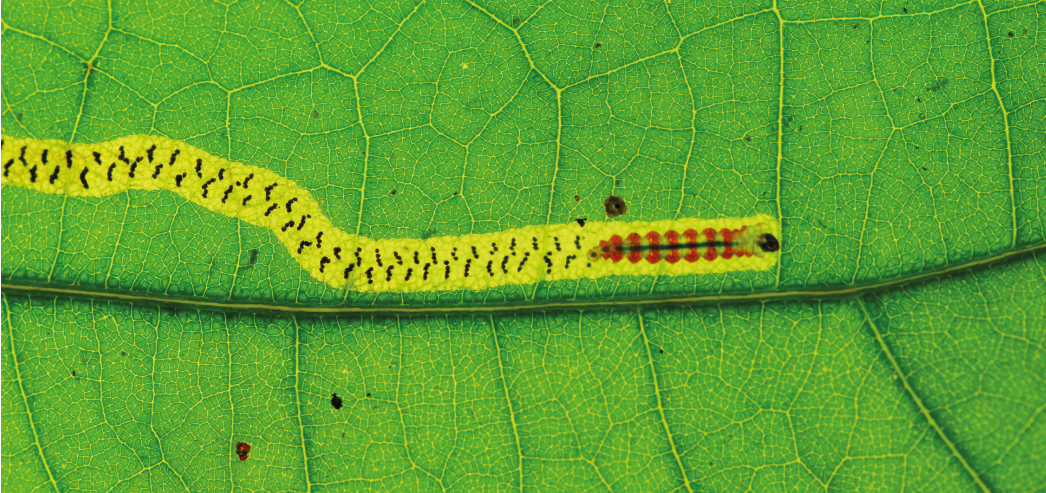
315, 114
924, 168
1011, 34
800, 128
905, 10
455, 194
123, 353
429, 234
336, 401
711, 463
368, 394
577, 198
918, 100
242, 450
74, 373
598, 45
916, 147
615, 206
662, 351
392, 192
581, 221
855, 26
748, 139
18, 117
515, 20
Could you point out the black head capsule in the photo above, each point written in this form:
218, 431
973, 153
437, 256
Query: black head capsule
767, 242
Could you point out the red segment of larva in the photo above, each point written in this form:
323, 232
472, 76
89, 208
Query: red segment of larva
653, 239
691, 254
728, 237
673, 239
710, 252
612, 249
634, 240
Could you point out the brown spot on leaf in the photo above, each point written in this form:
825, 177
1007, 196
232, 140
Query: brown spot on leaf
615, 206
243, 450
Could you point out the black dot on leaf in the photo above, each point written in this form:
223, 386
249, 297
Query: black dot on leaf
598, 45
615, 206
924, 168
577, 198
855, 26
515, 20
1011, 34
335, 401
581, 221
368, 394
74, 373
123, 353
392, 192
748, 139
905, 10
455, 194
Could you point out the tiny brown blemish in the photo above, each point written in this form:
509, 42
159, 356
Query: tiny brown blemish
243, 449
392, 192
515, 20
615, 206
598, 45
315, 114
748, 139
577, 199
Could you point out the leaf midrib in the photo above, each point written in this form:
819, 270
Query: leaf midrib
807, 294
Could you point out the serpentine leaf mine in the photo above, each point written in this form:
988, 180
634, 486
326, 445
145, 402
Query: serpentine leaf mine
531, 254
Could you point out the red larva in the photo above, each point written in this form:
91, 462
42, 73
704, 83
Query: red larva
242, 450
710, 240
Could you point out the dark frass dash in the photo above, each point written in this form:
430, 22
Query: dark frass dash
324, 261
287, 225
97, 157
425, 273
245, 199
348, 270
446, 275
548, 261
468, 264
388, 273
370, 275
399, 260
199, 165
245, 180
109, 174
291, 201
134, 166
377, 256
319, 238
490, 268
302, 222
69, 159
32, 174
178, 179
526, 256
226, 195
43, 157
149, 152
302, 245
268, 190
504, 263
83, 178
54, 176
337, 253
221, 174
409, 272
207, 184
271, 208
21, 157
123, 157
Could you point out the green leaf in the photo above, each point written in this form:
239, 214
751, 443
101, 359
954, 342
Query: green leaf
899, 345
